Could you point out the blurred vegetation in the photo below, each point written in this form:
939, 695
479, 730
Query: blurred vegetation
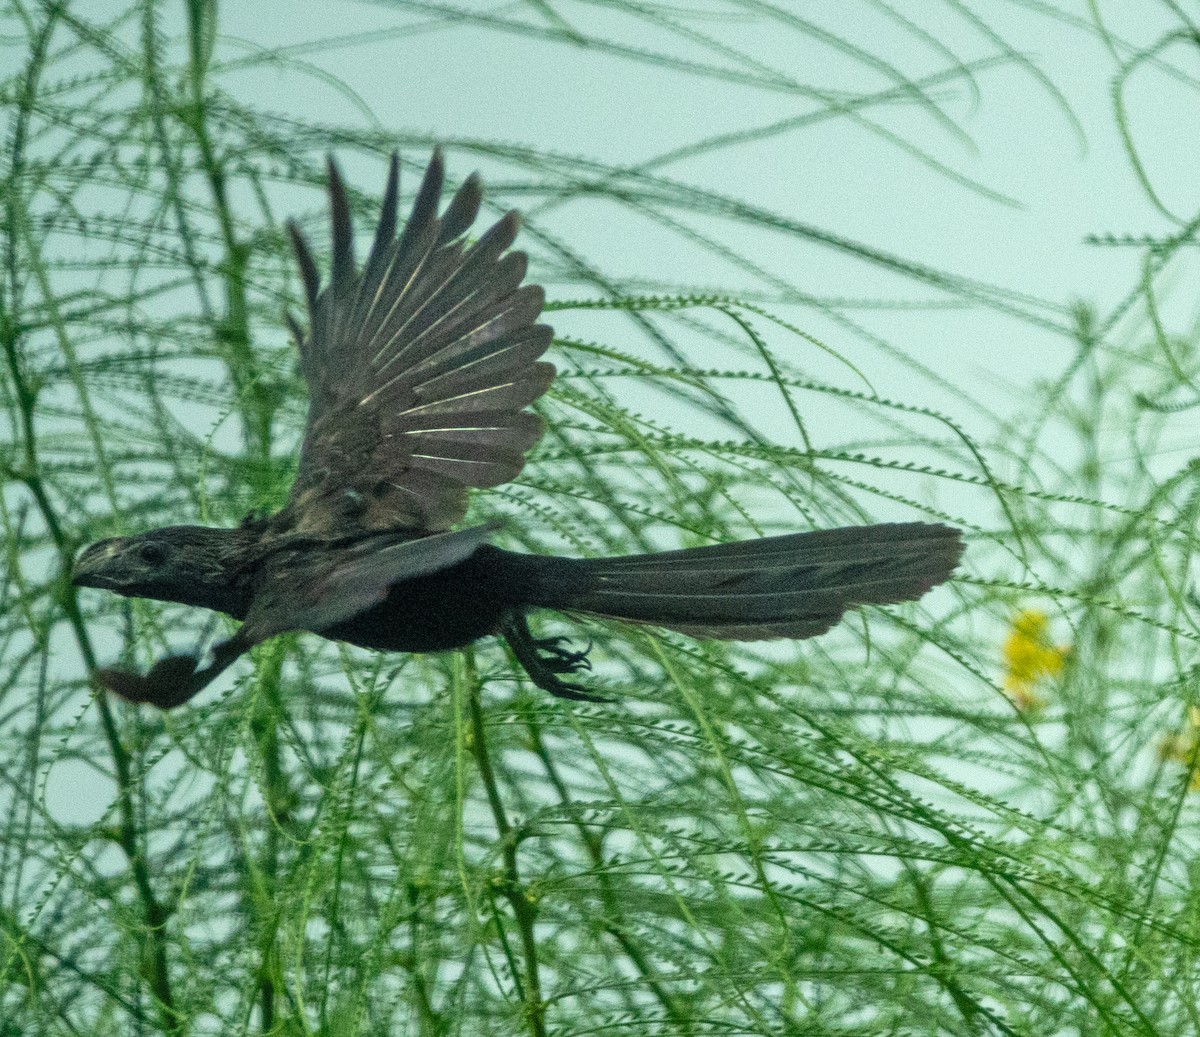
881, 831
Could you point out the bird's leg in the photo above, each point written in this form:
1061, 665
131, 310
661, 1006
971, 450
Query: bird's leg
173, 680
543, 669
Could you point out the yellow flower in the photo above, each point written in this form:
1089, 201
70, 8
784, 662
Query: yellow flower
1183, 746
1030, 658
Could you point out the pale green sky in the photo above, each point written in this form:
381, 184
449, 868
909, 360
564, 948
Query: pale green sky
1015, 140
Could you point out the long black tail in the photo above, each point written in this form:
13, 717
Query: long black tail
795, 586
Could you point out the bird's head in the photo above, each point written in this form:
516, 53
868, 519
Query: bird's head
192, 565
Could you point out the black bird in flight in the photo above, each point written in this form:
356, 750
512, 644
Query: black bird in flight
420, 366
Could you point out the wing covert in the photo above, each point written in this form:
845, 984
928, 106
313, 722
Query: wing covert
420, 365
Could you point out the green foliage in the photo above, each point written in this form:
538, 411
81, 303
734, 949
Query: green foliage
856, 834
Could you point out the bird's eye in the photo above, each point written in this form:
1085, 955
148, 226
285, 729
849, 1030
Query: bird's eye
152, 554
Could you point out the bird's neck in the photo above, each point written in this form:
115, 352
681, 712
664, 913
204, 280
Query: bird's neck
230, 589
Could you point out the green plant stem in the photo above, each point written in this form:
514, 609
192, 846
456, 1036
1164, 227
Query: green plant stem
154, 914
233, 331
612, 908
514, 892
265, 723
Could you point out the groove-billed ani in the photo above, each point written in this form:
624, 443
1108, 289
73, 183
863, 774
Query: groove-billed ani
420, 367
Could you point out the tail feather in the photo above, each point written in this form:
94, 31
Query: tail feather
792, 586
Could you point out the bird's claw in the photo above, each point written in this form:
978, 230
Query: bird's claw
544, 658
560, 660
573, 692
544, 668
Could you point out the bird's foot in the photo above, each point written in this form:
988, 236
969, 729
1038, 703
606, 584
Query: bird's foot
558, 659
170, 682
173, 680
544, 658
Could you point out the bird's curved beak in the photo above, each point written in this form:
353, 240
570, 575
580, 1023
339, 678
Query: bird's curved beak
92, 568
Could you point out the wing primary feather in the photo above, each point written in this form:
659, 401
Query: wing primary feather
372, 281
342, 273
462, 357
455, 270
424, 210
478, 272
471, 285
462, 210
416, 244
394, 293
509, 395
308, 269
385, 233
461, 311
492, 369
496, 326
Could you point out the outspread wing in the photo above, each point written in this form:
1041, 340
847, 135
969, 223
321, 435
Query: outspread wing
420, 365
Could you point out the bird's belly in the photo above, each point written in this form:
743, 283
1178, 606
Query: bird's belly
446, 609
